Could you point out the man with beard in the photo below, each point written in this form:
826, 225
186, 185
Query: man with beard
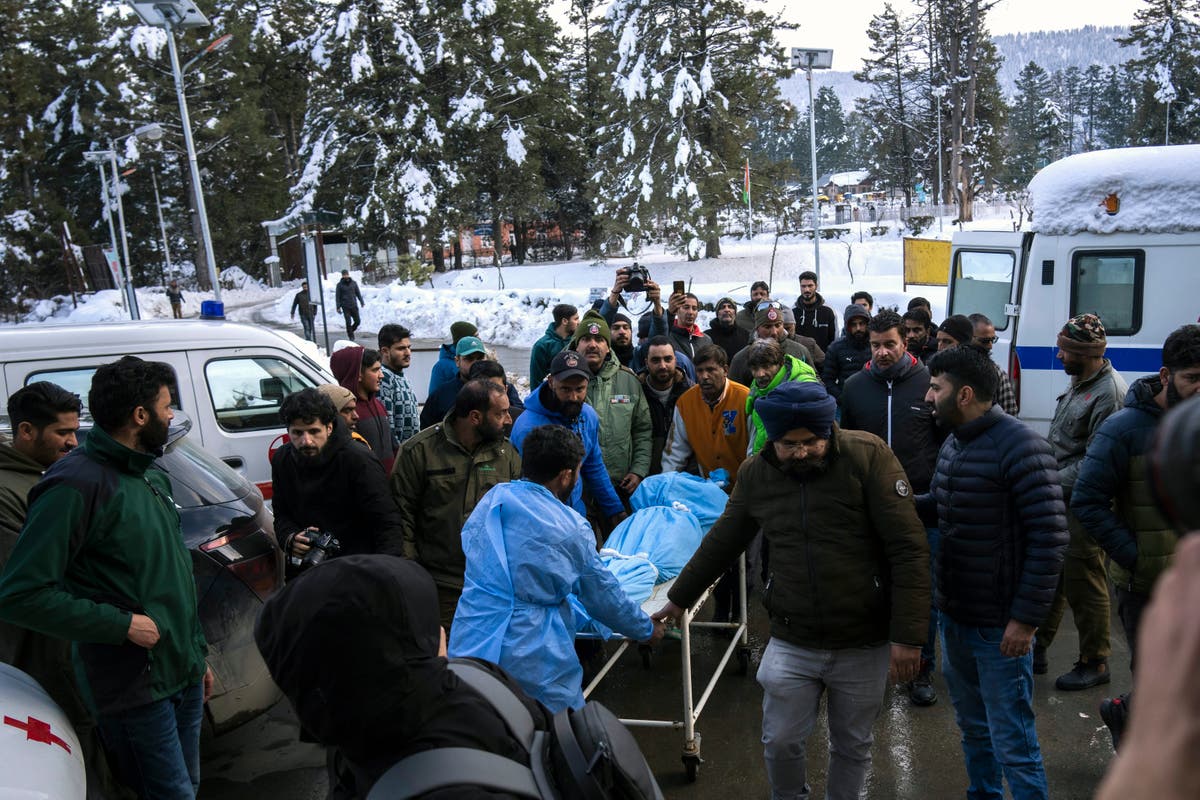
887, 398
101, 563
916, 334
626, 431
724, 331
1096, 391
813, 317
554, 340
360, 370
1112, 502
663, 383
325, 482
560, 400
769, 368
789, 327
847, 355
440, 476
526, 551
395, 391
848, 590
759, 291
622, 339
983, 333
770, 328
684, 333
1003, 532
709, 428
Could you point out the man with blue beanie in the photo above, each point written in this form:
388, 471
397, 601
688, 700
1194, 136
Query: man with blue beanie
848, 591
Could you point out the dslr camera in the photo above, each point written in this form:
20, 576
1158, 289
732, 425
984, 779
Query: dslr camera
322, 545
638, 275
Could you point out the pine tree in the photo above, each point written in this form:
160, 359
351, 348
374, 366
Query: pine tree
1167, 34
688, 80
1036, 124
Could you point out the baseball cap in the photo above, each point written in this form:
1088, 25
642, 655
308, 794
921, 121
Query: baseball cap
467, 345
567, 364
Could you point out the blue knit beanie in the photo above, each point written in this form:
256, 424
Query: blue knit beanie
796, 405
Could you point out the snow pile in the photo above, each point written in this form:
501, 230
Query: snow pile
1156, 188
236, 278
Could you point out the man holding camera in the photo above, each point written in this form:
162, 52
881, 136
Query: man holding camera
325, 483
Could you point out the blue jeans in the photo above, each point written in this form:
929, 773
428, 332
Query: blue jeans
793, 679
929, 650
155, 748
309, 332
993, 705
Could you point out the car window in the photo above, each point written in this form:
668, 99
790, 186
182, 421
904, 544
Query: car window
246, 392
78, 380
1109, 285
983, 284
199, 478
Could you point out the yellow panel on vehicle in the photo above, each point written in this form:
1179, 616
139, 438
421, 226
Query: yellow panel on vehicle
926, 262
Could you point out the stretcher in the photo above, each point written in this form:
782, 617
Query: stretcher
692, 708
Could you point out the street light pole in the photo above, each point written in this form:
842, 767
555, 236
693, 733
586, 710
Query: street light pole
939, 92
162, 226
193, 166
134, 312
810, 60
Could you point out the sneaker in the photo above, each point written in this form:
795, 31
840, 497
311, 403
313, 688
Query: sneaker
1115, 713
1085, 675
921, 692
1041, 663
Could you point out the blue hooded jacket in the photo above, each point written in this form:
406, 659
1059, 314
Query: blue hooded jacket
444, 370
587, 427
526, 553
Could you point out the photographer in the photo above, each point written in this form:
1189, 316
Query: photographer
621, 283
324, 482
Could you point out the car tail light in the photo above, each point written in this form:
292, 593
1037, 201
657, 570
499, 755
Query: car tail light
1014, 372
249, 554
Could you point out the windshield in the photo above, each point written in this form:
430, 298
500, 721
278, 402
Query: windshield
982, 284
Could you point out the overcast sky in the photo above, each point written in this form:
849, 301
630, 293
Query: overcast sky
842, 24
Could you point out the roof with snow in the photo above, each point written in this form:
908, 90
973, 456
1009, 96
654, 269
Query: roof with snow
1158, 189
852, 178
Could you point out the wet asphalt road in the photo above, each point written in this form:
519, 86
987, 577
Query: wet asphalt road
916, 753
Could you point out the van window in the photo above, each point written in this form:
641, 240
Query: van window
1109, 285
247, 392
78, 380
983, 284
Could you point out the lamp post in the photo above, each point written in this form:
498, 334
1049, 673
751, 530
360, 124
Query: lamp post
150, 132
811, 59
173, 15
162, 226
939, 92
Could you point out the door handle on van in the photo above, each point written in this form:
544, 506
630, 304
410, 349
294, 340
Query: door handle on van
237, 462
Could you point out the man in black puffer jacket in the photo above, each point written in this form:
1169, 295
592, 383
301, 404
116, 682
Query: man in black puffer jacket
1003, 526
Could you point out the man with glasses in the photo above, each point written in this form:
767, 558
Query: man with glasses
985, 336
849, 609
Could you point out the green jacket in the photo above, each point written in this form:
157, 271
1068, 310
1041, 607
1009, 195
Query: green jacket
849, 558
437, 484
626, 430
543, 352
101, 541
793, 370
1081, 409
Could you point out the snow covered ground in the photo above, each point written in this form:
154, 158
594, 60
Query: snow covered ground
511, 306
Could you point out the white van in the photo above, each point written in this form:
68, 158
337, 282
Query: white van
1115, 233
231, 378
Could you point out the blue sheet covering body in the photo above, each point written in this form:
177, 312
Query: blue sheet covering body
526, 552
704, 498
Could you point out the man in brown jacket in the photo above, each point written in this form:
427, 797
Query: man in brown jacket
848, 593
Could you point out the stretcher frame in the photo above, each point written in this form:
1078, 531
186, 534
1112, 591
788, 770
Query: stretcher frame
740, 643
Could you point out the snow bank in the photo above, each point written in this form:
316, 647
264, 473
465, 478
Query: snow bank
1156, 186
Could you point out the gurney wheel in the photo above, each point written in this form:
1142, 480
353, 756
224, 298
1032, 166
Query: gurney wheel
691, 765
743, 657
647, 653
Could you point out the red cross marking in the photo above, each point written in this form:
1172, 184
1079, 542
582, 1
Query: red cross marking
37, 731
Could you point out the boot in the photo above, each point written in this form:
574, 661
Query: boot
921, 691
1115, 713
1085, 675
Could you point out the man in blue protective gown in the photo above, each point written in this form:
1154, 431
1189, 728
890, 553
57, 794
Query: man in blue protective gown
526, 551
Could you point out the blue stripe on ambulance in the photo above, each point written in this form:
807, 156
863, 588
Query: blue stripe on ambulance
1125, 359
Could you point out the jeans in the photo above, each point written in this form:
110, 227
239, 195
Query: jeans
993, 705
155, 748
1130, 608
309, 330
929, 649
352, 321
793, 679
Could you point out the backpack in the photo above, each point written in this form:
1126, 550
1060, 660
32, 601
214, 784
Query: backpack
587, 754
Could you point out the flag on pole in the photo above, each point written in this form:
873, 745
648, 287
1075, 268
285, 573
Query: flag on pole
746, 185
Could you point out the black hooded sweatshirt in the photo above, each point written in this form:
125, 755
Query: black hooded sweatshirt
353, 644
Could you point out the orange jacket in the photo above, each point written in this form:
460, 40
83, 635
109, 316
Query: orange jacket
716, 436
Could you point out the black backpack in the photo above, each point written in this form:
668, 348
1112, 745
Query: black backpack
589, 755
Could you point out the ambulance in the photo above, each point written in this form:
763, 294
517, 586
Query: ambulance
1115, 233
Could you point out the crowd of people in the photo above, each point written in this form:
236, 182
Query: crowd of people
891, 501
